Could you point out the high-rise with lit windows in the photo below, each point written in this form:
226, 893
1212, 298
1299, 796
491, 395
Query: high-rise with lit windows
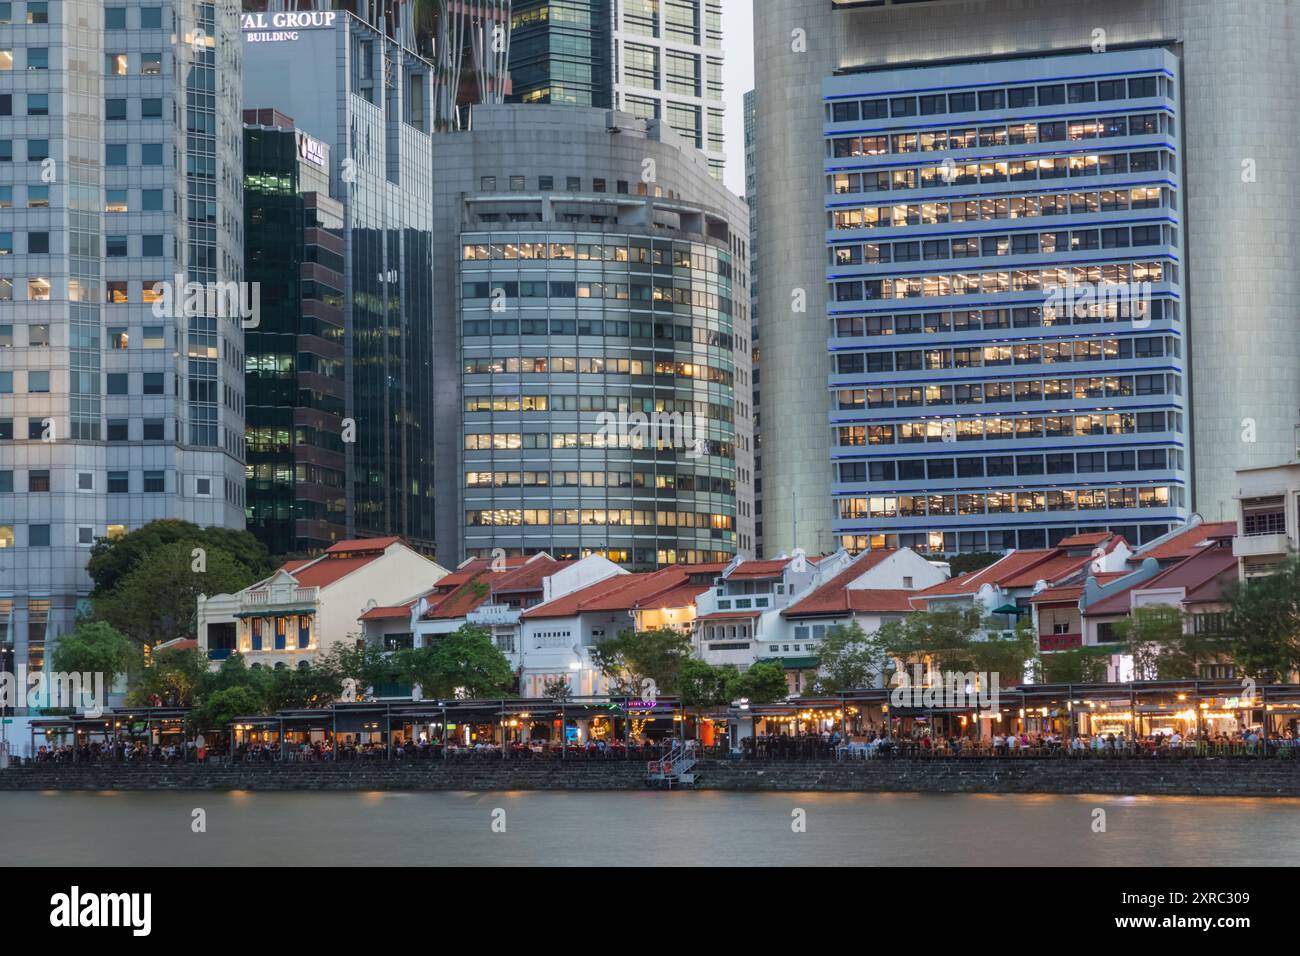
1030, 250
120, 157
655, 59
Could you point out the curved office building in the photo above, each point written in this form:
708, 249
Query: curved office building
601, 304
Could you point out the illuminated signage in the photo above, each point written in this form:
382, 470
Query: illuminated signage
311, 150
264, 27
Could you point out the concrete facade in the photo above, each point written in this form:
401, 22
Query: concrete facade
1235, 129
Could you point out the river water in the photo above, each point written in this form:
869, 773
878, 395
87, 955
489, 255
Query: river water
642, 828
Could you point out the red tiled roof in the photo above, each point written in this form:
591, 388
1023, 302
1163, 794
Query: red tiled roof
362, 544
528, 576
569, 604
729, 616
760, 569
1089, 539
833, 596
1051, 570
1187, 542
1068, 594
394, 612
682, 596
326, 570
1009, 566
1198, 575
620, 592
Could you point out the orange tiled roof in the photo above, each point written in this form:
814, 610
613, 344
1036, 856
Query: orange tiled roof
1085, 540
1009, 566
1051, 570
1197, 574
1188, 541
391, 613
834, 594
760, 569
729, 616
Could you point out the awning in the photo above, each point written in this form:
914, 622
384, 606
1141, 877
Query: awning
1007, 609
277, 612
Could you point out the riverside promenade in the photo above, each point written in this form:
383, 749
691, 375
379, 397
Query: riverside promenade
1218, 777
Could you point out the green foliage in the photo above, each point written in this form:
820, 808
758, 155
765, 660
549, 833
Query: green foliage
1262, 624
1160, 647
848, 660
112, 560
1079, 665
156, 600
629, 660
972, 561
96, 647
367, 664
175, 676
222, 706
704, 685
464, 662
945, 636
763, 683
558, 688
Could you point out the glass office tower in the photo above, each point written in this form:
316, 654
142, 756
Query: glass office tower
119, 177
1005, 286
373, 109
600, 400
295, 381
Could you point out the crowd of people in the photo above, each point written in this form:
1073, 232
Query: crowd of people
880, 743
122, 751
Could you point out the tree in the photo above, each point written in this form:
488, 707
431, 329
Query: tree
848, 660
157, 600
465, 663
367, 664
762, 683
961, 564
222, 706
629, 660
1261, 626
945, 637
1007, 656
701, 684
1079, 665
558, 688
96, 648
112, 559
299, 688
1160, 645
172, 677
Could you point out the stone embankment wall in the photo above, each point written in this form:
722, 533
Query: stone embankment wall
1209, 777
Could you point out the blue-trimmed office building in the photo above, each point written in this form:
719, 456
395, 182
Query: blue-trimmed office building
1005, 300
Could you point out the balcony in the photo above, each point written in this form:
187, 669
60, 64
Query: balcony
1059, 642
282, 596
1260, 545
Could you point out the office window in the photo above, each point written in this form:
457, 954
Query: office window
115, 200
119, 482
151, 107
6, 13
115, 247
37, 150
154, 482
118, 339
151, 200
38, 482
6, 336
516, 184
151, 64
85, 535
545, 183
115, 109
115, 64
38, 197
151, 245
38, 243
151, 18
38, 58
203, 487
38, 383
153, 383
6, 104
6, 383
115, 292
573, 183
85, 481
117, 429
38, 12
154, 429
115, 18
154, 337
115, 154
6, 482
151, 154
38, 104
38, 536
6, 197
38, 334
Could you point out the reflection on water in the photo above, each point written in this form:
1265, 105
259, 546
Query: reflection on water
643, 828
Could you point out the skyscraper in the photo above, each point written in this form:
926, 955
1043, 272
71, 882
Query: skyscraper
372, 109
599, 401
119, 187
751, 200
966, 200
295, 382
655, 59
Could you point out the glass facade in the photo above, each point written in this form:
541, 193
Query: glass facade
1005, 288
560, 52
294, 377
598, 378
